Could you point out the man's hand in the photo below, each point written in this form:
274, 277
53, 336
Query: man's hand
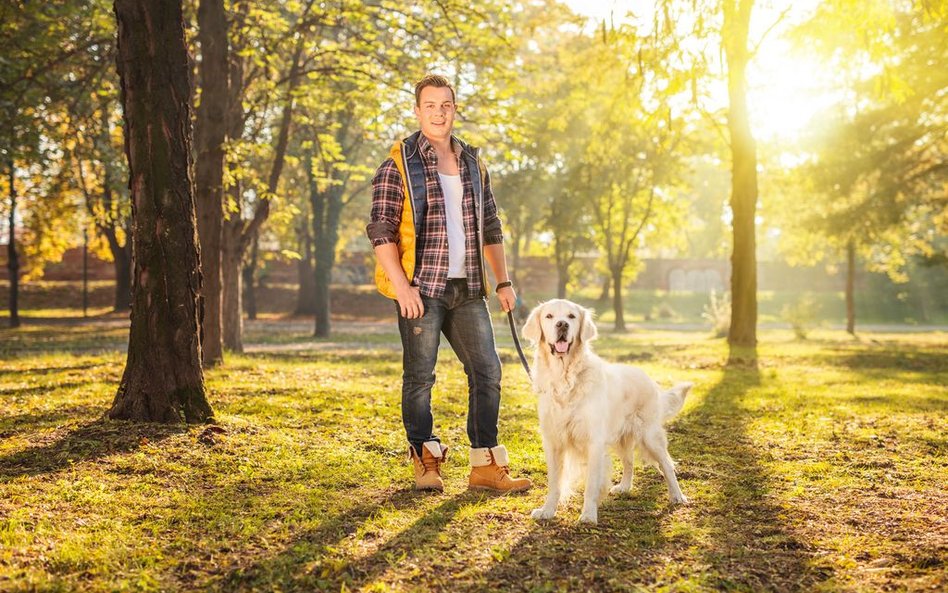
409, 301
507, 298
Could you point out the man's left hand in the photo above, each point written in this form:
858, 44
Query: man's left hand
507, 298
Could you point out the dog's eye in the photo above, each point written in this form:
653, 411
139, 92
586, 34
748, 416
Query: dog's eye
572, 316
549, 316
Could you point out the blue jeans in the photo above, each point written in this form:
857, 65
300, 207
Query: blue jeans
465, 322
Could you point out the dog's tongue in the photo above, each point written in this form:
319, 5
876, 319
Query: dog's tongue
562, 347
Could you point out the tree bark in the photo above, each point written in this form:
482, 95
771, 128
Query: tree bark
743, 330
210, 134
232, 255
249, 270
851, 288
163, 380
13, 262
327, 209
606, 289
617, 298
306, 296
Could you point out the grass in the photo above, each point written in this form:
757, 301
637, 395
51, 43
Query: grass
821, 468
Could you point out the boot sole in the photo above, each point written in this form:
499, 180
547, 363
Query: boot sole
498, 490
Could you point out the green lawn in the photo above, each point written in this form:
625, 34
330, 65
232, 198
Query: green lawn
821, 468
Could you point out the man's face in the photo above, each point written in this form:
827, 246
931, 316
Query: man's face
436, 112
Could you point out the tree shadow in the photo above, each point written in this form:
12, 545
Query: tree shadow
311, 562
37, 389
33, 421
93, 440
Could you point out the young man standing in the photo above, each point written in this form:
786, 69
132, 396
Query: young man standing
433, 222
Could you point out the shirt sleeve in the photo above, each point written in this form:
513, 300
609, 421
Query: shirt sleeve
493, 230
388, 198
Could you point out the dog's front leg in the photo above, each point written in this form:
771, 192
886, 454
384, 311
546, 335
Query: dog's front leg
596, 459
554, 475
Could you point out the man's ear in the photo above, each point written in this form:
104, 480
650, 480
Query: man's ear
531, 329
587, 329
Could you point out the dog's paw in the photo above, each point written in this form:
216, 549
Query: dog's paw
589, 518
679, 499
619, 489
542, 514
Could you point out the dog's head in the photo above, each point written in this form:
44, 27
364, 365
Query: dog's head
559, 327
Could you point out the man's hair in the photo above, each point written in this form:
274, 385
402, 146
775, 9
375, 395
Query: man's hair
435, 81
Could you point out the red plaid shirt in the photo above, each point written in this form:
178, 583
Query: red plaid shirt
431, 265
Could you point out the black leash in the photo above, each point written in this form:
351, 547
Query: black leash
516, 340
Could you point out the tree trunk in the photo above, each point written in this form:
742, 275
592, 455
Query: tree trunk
851, 288
121, 254
743, 331
232, 318
163, 379
606, 289
13, 262
563, 262
617, 298
210, 133
248, 272
327, 210
306, 296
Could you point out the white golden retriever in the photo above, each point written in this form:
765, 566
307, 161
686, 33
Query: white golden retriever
588, 405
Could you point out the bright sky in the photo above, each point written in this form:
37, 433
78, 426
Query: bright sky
784, 88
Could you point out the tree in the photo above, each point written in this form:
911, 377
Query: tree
734, 37
163, 379
13, 263
210, 134
873, 187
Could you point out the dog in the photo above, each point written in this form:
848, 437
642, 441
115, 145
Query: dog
587, 405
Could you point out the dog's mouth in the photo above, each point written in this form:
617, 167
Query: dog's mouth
560, 347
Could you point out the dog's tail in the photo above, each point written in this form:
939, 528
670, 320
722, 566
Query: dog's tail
674, 399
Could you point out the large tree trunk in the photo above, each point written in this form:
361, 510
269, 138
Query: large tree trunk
617, 298
743, 331
163, 379
210, 133
13, 263
851, 288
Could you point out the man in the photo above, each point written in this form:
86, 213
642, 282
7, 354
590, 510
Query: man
433, 222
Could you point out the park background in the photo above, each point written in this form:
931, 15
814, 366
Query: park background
751, 194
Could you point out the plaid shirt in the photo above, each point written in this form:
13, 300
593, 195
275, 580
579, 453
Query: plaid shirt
431, 265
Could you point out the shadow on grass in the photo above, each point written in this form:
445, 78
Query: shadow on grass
93, 440
39, 420
38, 389
40, 370
311, 562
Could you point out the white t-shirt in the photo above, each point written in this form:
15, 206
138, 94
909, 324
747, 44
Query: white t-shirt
453, 194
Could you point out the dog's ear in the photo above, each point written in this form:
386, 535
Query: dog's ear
587, 328
531, 329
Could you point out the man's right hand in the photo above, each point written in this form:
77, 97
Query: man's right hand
409, 301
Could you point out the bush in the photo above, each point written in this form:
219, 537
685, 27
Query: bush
718, 312
801, 314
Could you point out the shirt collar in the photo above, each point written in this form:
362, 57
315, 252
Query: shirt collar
428, 149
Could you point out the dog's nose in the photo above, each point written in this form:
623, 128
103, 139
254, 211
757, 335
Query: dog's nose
562, 325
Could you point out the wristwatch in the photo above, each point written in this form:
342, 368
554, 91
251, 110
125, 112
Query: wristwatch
502, 285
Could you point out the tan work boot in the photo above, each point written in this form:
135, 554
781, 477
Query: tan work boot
490, 470
428, 466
